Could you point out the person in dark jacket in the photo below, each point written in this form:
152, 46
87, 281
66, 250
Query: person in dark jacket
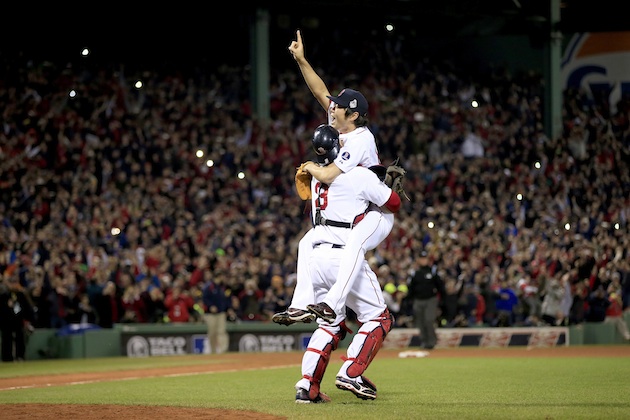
425, 288
216, 300
598, 303
16, 317
108, 306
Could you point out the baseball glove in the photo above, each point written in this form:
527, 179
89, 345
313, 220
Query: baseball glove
303, 183
394, 178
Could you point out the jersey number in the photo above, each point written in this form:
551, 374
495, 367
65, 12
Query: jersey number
322, 196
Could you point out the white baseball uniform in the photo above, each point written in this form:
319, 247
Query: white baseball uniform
359, 149
349, 195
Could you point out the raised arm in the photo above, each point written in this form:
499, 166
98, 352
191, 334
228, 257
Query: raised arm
313, 81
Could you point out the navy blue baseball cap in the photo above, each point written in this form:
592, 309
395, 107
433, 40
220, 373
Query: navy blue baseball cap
353, 99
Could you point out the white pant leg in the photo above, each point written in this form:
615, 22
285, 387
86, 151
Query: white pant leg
366, 297
303, 293
366, 235
319, 343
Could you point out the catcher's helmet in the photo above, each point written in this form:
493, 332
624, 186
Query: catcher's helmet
325, 144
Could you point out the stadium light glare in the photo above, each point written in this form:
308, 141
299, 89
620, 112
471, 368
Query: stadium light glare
85, 52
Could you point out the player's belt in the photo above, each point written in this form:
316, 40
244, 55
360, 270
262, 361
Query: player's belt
321, 220
328, 245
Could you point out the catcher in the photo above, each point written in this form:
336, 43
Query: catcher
351, 193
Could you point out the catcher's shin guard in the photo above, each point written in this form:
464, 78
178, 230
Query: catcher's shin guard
315, 361
366, 344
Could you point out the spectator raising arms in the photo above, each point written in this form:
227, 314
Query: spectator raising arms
104, 190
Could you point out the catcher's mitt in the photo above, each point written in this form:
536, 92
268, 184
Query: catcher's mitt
394, 178
303, 183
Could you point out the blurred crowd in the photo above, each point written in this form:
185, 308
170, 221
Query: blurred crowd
121, 202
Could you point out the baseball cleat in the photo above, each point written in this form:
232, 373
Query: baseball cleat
323, 311
291, 316
365, 390
301, 397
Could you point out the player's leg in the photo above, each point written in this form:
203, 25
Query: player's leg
324, 340
366, 300
303, 292
323, 266
366, 235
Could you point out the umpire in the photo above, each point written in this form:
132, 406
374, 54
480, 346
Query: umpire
425, 287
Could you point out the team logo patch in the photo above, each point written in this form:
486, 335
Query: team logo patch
345, 156
353, 104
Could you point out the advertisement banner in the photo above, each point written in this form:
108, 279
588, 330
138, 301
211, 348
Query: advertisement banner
598, 63
400, 338
144, 344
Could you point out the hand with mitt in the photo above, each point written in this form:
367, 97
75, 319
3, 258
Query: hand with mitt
394, 178
303, 182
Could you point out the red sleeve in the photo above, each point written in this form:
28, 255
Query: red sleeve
393, 203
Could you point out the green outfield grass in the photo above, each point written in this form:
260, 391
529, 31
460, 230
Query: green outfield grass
413, 388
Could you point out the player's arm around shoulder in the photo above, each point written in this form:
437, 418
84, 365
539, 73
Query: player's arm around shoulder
326, 174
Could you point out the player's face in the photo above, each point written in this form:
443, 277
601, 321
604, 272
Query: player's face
339, 120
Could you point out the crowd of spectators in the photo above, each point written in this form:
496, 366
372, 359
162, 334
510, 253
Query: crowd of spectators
120, 203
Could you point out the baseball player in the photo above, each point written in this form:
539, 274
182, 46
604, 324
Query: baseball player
347, 113
351, 193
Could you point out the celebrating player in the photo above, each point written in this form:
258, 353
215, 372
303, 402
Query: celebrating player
351, 193
347, 113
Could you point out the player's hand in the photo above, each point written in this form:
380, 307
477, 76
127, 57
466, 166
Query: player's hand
297, 48
306, 165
